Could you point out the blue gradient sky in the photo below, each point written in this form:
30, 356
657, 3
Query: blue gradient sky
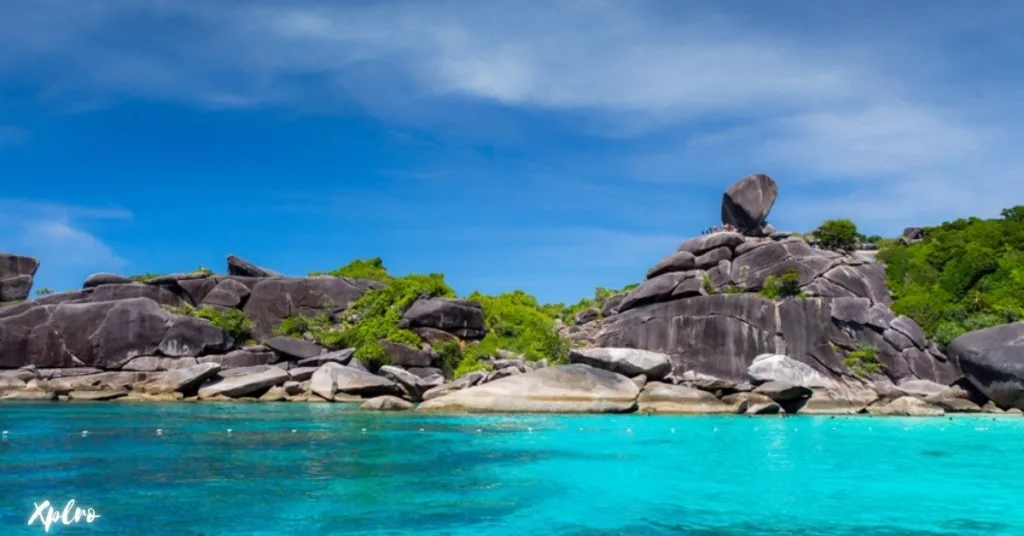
551, 146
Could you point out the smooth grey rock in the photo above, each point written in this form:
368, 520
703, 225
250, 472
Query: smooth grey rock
748, 202
781, 391
245, 385
342, 357
908, 406
240, 266
357, 382
405, 356
920, 388
302, 374
993, 360
774, 367
466, 381
460, 317
658, 397
192, 336
97, 396
626, 361
386, 403
104, 278
911, 329
271, 300
573, 388
150, 363
700, 244
241, 358
186, 379
294, 349
411, 384
839, 401
679, 261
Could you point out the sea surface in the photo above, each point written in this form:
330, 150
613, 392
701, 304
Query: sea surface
321, 469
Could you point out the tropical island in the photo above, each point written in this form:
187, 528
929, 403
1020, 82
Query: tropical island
744, 319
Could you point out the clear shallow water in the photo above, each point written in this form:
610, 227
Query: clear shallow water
570, 475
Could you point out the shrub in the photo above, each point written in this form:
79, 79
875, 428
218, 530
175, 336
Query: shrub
734, 289
837, 234
770, 288
567, 314
297, 326
141, 278
362, 269
449, 356
378, 313
708, 284
864, 361
233, 321
789, 283
203, 270
515, 322
43, 292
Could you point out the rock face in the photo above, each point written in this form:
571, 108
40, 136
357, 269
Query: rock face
386, 403
240, 266
564, 389
770, 367
191, 336
660, 397
16, 276
747, 203
462, 318
993, 360
103, 334
625, 361
273, 300
245, 385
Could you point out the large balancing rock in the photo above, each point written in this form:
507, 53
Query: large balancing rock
16, 275
746, 203
993, 360
574, 388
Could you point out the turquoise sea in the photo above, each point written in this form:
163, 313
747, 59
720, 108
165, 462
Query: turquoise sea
330, 469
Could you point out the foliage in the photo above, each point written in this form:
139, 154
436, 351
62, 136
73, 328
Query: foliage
964, 275
378, 313
516, 322
874, 239
141, 278
785, 285
567, 314
297, 326
708, 284
203, 270
733, 289
837, 234
864, 361
233, 321
362, 269
43, 292
449, 355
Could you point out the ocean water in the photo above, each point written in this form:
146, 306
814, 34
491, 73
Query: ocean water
348, 472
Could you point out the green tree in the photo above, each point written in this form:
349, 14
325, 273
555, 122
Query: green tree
1013, 213
837, 234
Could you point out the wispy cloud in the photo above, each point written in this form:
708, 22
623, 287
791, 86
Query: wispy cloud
60, 237
697, 93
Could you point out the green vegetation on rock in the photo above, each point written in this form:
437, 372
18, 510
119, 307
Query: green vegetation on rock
515, 322
233, 321
964, 275
864, 361
786, 285
361, 269
43, 292
837, 234
567, 313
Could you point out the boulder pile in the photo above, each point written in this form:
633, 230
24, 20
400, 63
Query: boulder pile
745, 321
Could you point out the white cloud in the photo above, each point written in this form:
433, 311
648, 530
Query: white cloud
57, 235
879, 110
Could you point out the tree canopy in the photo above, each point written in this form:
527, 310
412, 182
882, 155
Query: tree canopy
964, 275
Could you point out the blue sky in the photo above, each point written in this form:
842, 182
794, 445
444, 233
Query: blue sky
552, 146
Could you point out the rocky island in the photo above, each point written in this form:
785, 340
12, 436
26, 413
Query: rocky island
741, 320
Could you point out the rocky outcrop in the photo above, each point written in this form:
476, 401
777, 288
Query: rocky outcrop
248, 384
563, 389
746, 204
993, 360
908, 406
16, 276
462, 318
240, 266
658, 397
780, 368
386, 403
626, 361
273, 300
